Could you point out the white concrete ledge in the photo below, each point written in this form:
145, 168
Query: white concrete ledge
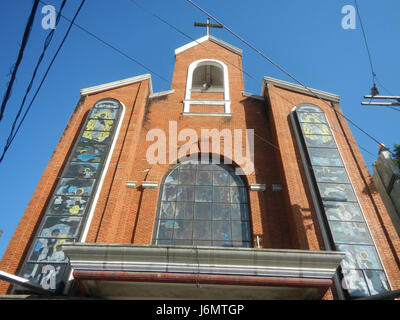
149, 184
116, 84
211, 38
131, 184
253, 96
208, 102
257, 187
161, 94
206, 114
204, 260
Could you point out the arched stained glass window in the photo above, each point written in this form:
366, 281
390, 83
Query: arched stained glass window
203, 204
362, 270
72, 198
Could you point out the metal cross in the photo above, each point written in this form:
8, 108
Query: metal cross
208, 25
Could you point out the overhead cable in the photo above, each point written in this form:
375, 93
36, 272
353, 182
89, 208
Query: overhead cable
285, 72
25, 38
11, 138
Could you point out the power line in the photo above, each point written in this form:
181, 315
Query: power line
374, 77
186, 35
366, 43
114, 48
47, 43
169, 24
284, 71
25, 38
388, 91
72, 22
11, 138
191, 38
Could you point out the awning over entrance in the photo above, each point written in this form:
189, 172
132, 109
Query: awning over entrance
116, 271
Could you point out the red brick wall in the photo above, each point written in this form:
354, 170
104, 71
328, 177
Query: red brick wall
281, 219
25, 231
268, 220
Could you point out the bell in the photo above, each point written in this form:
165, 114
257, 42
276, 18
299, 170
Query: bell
206, 86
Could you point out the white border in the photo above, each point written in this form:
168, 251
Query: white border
187, 102
301, 89
116, 84
211, 38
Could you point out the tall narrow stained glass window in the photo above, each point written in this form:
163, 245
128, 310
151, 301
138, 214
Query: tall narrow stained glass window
203, 204
70, 203
362, 270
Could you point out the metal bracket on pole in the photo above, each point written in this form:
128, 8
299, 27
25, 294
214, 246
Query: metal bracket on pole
383, 104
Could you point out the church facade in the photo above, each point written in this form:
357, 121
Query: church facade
205, 192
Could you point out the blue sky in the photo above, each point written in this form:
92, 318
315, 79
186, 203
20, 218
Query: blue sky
305, 37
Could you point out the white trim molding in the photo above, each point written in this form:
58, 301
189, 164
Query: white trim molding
206, 114
301, 89
161, 94
253, 96
131, 184
149, 184
118, 271
117, 84
209, 260
257, 187
194, 43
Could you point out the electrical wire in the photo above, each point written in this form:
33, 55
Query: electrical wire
374, 77
25, 39
388, 91
186, 35
191, 38
366, 42
47, 43
113, 47
284, 71
11, 139
253, 78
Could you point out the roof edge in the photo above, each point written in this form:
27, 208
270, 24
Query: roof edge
161, 94
117, 84
301, 89
222, 43
253, 96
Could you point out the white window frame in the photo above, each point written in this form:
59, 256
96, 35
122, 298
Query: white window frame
189, 81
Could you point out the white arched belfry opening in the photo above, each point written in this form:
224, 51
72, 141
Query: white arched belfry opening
207, 75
